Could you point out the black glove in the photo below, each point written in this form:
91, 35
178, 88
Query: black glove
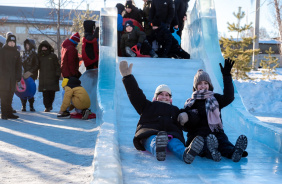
228, 64
138, 45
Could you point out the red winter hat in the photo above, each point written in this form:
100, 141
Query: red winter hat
75, 37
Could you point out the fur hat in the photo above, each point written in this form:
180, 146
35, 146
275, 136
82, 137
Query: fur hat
128, 23
75, 37
11, 37
65, 82
128, 4
202, 76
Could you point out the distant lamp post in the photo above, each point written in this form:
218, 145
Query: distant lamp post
256, 33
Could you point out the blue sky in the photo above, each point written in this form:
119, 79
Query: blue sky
224, 11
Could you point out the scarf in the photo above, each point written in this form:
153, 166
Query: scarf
27, 54
212, 108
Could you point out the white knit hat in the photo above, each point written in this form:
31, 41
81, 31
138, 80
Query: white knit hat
162, 88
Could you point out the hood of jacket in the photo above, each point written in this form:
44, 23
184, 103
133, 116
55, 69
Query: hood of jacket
31, 43
67, 43
46, 44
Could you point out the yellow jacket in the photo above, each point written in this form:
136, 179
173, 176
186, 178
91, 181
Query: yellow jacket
75, 97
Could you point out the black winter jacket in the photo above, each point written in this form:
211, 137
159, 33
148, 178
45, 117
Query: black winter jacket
134, 14
49, 69
10, 68
31, 63
154, 116
163, 10
181, 7
198, 123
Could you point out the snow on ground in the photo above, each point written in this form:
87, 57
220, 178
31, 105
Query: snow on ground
40, 148
263, 98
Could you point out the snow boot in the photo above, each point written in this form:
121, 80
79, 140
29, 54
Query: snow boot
212, 144
129, 52
240, 147
31, 102
153, 54
65, 115
161, 143
85, 114
193, 149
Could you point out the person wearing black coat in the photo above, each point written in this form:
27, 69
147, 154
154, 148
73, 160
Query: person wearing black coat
158, 121
181, 7
132, 12
10, 74
168, 45
49, 74
164, 10
30, 66
202, 116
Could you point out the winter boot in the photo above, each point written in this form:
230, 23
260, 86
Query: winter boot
193, 149
31, 102
12, 116
161, 143
153, 54
129, 52
212, 144
65, 114
85, 114
24, 104
240, 147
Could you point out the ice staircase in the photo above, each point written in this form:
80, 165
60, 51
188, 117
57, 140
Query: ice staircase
117, 161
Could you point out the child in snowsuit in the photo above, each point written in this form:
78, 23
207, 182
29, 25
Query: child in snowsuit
30, 66
202, 117
158, 120
133, 37
49, 74
168, 45
75, 97
10, 74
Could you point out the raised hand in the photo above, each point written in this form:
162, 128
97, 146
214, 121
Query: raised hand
228, 64
124, 69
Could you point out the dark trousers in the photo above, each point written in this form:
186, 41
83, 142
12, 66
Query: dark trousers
31, 101
145, 48
179, 53
225, 147
48, 98
6, 102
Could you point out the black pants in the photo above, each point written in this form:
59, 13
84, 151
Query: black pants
145, 48
225, 147
48, 98
31, 101
179, 53
6, 102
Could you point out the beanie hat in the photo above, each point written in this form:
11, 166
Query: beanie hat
128, 23
11, 37
202, 76
65, 82
128, 4
75, 37
162, 88
120, 8
8, 33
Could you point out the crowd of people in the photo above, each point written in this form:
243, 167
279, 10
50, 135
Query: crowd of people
151, 28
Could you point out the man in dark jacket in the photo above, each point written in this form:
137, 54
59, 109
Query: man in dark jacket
132, 12
10, 73
70, 60
181, 7
49, 74
30, 66
158, 120
163, 9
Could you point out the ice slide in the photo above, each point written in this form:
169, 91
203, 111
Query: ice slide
116, 160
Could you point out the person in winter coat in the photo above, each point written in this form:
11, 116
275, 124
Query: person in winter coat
202, 116
90, 50
75, 97
49, 74
30, 66
10, 74
145, 17
168, 45
164, 10
158, 121
132, 12
70, 60
133, 37
180, 16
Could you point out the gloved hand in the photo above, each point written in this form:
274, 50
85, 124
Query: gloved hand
182, 118
124, 69
138, 46
228, 64
27, 74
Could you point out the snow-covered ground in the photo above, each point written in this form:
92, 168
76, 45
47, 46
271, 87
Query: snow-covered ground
263, 98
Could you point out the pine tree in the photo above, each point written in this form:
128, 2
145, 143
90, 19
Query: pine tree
269, 65
78, 23
236, 49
